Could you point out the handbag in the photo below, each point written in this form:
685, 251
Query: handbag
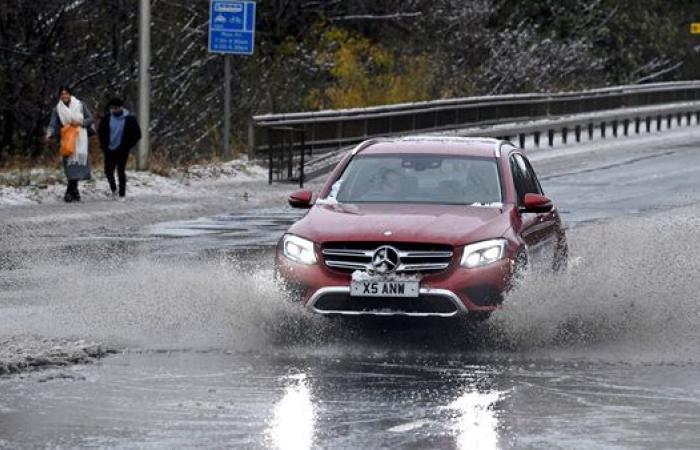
69, 139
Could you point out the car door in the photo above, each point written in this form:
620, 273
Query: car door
538, 230
550, 221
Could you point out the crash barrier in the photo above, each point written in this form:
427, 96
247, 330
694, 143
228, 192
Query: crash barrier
287, 154
573, 115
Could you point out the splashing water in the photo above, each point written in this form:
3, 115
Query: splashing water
632, 294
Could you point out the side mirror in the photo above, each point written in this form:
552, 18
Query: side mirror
301, 199
536, 203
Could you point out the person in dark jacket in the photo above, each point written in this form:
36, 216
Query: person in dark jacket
119, 133
72, 112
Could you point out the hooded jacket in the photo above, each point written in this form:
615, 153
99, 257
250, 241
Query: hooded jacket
130, 137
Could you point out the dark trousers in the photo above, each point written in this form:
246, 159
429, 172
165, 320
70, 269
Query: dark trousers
116, 159
72, 193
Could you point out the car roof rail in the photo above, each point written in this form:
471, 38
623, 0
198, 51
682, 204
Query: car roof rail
369, 142
497, 151
497, 147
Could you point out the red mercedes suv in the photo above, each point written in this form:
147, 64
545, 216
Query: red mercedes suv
421, 226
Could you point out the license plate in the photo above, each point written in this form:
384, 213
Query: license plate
384, 288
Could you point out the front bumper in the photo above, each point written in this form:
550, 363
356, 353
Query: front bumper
336, 300
453, 292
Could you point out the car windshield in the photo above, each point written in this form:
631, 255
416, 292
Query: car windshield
438, 179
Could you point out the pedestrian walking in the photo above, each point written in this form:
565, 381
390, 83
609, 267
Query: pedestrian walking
119, 133
72, 123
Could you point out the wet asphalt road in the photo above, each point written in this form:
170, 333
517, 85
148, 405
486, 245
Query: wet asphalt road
605, 356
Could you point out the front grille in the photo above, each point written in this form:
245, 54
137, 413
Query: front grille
425, 304
415, 258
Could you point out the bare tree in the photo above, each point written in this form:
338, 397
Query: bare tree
476, 47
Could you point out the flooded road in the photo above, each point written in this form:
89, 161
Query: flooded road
218, 399
209, 354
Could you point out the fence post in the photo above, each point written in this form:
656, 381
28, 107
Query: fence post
290, 163
270, 148
251, 140
339, 132
301, 159
280, 162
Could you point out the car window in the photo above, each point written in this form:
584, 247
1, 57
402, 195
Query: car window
518, 179
437, 179
535, 182
524, 177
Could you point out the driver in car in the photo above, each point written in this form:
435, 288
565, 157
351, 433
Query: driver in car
390, 184
389, 187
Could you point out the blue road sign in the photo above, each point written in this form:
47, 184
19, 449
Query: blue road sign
232, 27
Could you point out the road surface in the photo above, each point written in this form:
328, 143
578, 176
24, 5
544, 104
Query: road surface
203, 351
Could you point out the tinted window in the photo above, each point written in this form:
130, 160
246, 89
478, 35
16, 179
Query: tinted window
524, 177
439, 179
533, 177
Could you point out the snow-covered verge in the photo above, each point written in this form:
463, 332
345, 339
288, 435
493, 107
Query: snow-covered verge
239, 169
29, 353
48, 186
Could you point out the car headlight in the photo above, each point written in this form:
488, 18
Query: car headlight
482, 253
298, 249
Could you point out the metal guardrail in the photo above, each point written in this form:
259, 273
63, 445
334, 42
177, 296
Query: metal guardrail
503, 116
286, 154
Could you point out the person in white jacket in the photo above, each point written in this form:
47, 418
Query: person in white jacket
71, 111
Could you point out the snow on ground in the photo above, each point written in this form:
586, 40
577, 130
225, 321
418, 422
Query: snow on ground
240, 170
48, 186
27, 353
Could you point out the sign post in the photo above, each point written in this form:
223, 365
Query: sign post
144, 107
227, 107
231, 32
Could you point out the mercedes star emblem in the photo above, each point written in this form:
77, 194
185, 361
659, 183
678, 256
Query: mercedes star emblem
385, 260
